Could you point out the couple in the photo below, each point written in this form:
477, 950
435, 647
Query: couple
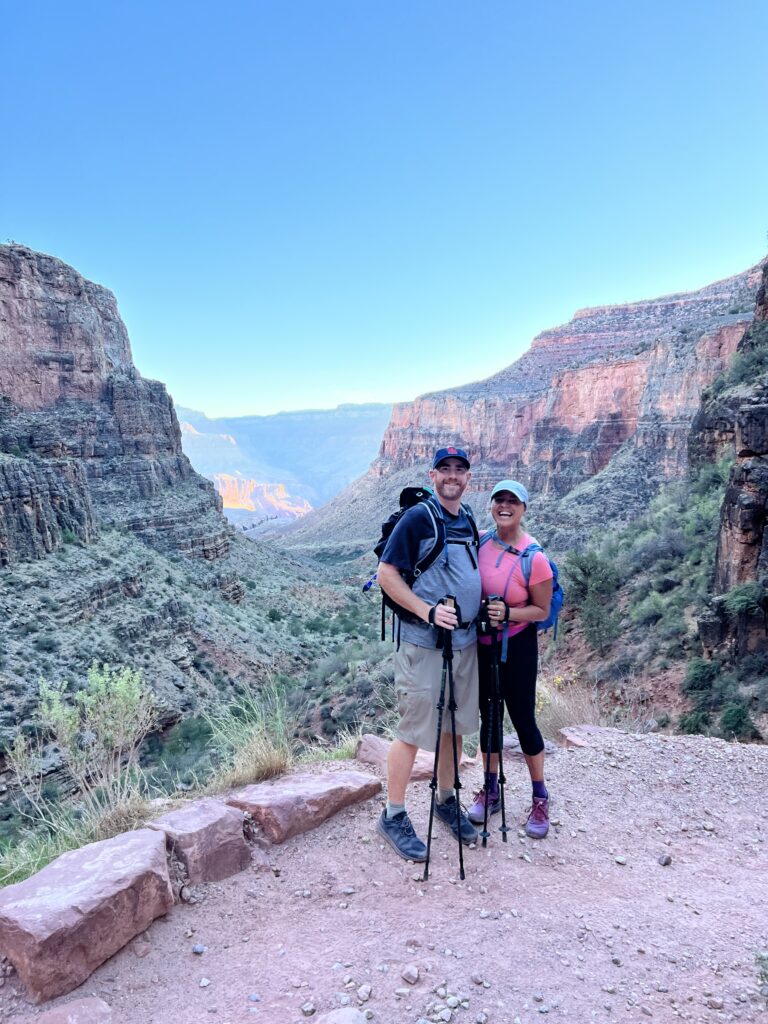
471, 575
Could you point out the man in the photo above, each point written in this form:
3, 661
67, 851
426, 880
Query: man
418, 660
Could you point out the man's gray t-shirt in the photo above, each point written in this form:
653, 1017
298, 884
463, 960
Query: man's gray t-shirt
454, 572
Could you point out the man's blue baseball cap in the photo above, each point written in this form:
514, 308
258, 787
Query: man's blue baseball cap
449, 453
513, 487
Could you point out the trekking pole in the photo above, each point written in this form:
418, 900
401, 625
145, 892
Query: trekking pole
485, 627
488, 745
448, 660
433, 782
504, 828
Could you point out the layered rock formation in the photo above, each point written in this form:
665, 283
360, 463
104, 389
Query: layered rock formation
85, 440
559, 414
252, 496
735, 421
593, 418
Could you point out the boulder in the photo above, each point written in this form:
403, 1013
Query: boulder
374, 750
292, 804
344, 1015
512, 746
207, 837
59, 925
583, 735
79, 1011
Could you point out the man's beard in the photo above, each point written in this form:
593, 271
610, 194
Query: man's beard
450, 489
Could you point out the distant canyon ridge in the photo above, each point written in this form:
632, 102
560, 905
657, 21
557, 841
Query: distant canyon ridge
280, 467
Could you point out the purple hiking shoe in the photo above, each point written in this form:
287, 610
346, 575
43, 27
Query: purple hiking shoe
476, 812
537, 825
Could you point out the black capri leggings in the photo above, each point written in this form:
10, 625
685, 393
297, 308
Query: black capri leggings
517, 682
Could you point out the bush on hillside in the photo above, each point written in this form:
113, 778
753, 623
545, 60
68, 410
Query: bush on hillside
699, 675
252, 737
736, 723
745, 599
98, 734
696, 722
592, 582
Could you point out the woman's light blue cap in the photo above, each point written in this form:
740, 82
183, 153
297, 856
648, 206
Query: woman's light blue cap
513, 487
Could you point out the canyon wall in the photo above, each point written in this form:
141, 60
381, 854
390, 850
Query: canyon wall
85, 441
594, 417
734, 421
557, 416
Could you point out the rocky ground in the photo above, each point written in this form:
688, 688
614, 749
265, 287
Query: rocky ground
647, 901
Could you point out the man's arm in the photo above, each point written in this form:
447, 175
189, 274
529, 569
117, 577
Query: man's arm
394, 586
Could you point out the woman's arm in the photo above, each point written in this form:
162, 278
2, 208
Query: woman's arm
537, 611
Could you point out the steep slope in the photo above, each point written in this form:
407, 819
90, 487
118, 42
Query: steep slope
594, 417
112, 549
734, 419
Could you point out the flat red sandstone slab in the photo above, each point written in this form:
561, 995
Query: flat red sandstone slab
374, 749
79, 1011
62, 923
582, 735
207, 837
297, 803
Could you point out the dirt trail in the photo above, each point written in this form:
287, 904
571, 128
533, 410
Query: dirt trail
559, 927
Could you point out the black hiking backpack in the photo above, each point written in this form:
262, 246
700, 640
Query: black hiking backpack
409, 497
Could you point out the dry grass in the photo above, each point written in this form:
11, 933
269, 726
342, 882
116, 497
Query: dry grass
562, 701
342, 748
254, 739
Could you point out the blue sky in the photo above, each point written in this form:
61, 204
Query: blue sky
304, 203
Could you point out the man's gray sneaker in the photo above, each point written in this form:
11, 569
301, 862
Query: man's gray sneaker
398, 831
447, 812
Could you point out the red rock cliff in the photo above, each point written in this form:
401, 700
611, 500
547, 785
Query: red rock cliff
84, 439
594, 417
613, 375
734, 420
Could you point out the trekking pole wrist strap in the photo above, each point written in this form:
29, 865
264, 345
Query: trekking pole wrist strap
431, 616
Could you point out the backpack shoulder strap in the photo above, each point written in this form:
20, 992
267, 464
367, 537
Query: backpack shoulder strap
439, 535
470, 516
526, 559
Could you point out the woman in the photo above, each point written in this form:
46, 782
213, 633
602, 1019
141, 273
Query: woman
514, 643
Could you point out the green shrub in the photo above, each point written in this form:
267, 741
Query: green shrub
745, 599
694, 722
650, 610
747, 365
699, 675
736, 723
98, 734
46, 642
252, 737
601, 623
589, 574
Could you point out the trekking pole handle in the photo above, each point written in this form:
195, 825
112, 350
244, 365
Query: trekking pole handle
498, 597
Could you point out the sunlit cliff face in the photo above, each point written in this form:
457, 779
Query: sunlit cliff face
558, 415
252, 496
